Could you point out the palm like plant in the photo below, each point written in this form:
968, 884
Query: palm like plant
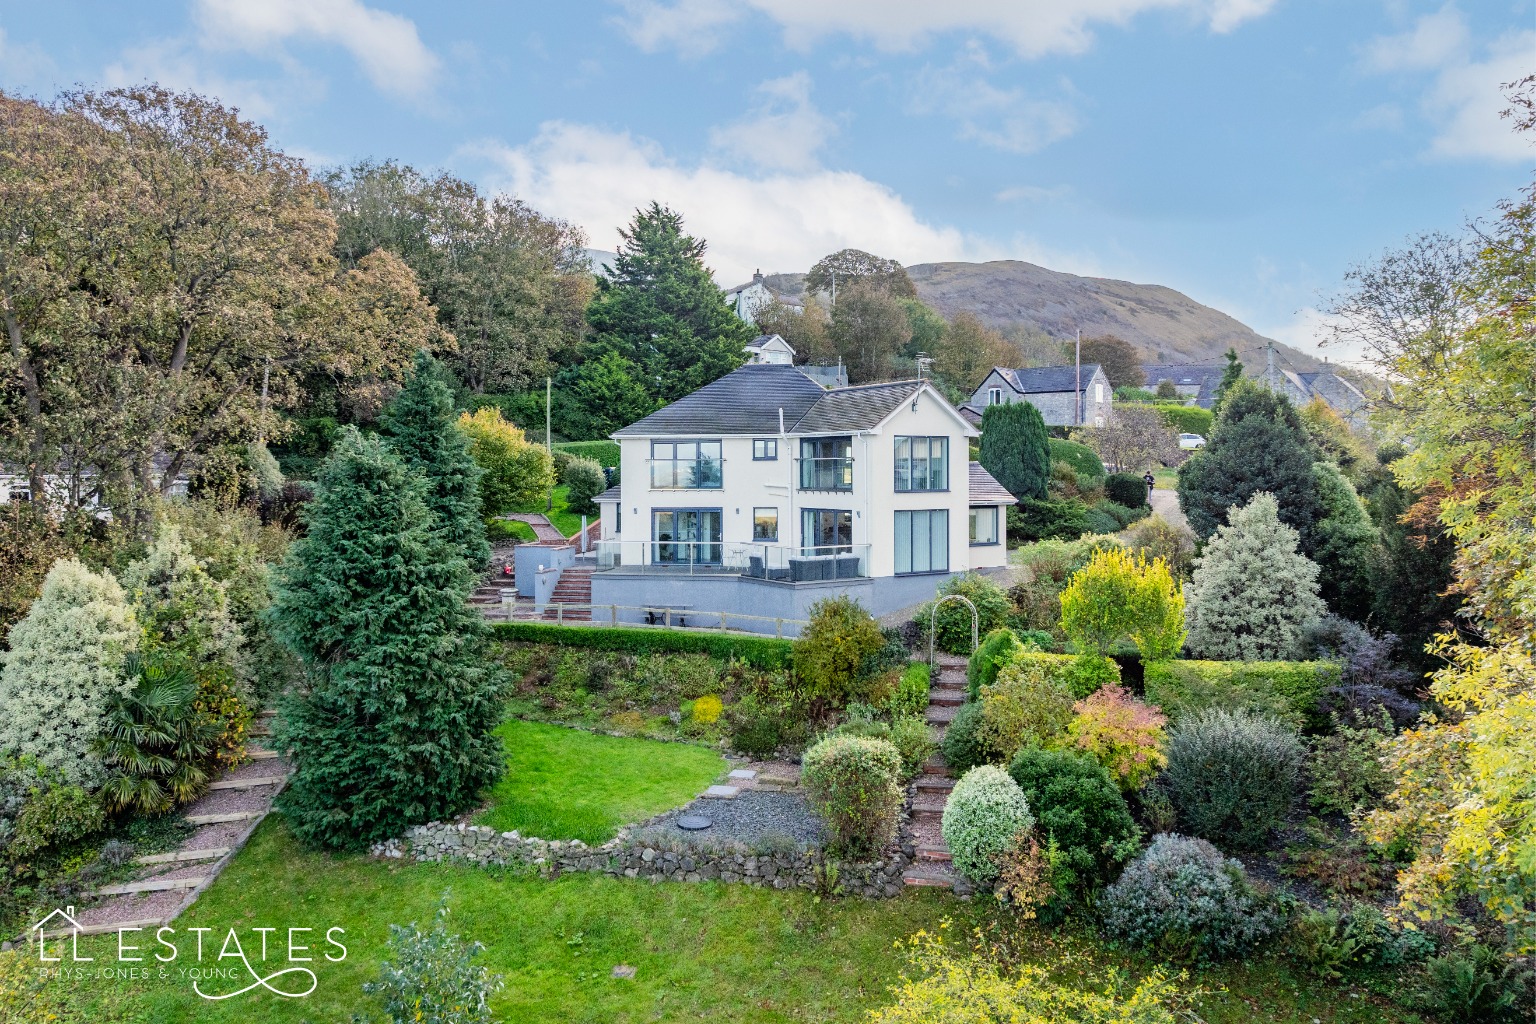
156, 743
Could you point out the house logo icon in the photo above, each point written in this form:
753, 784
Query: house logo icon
63, 924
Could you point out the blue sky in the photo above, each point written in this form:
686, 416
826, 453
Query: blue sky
1246, 152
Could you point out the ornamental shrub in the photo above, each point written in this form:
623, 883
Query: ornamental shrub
1034, 519
1155, 537
909, 734
996, 650
964, 747
973, 988
584, 481
432, 978
516, 472
394, 725
1080, 810
184, 611
833, 652
1025, 707
706, 710
1183, 900
1121, 733
64, 667
1291, 691
55, 818
1232, 776
1346, 545
1128, 489
953, 633
1253, 593
985, 812
851, 782
1123, 515
911, 696
1345, 768
1097, 520
763, 652
157, 746
1079, 456
1117, 595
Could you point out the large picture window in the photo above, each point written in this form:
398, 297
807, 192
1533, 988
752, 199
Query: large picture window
983, 525
826, 464
686, 536
826, 531
922, 541
686, 465
922, 463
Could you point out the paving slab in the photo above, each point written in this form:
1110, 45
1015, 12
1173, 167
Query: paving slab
721, 792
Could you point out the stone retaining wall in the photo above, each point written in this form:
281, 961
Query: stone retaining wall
479, 845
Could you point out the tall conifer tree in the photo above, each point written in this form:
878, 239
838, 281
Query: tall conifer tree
662, 311
1016, 449
422, 429
392, 726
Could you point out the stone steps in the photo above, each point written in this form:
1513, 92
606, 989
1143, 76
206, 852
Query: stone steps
946, 697
939, 714
928, 807
152, 885
935, 783
933, 854
936, 765
933, 876
183, 856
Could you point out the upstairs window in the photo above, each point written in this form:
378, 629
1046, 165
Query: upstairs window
995, 396
765, 449
686, 465
922, 463
826, 464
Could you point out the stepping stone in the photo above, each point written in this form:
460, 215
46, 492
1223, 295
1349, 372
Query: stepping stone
219, 819
623, 971
721, 793
183, 856
153, 885
775, 783
742, 775
255, 783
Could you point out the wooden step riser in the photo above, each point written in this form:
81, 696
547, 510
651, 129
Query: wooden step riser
934, 856
925, 815
242, 784
220, 819
153, 885
183, 857
928, 883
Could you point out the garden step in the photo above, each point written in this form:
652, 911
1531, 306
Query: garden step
260, 754
721, 792
775, 783
182, 856
153, 885
928, 807
947, 697
742, 775
934, 854
939, 714
256, 783
934, 783
936, 765
936, 876
219, 819
148, 924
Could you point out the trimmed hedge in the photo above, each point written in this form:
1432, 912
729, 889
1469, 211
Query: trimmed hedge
1289, 690
1128, 489
604, 453
1082, 674
1188, 419
1079, 456
763, 652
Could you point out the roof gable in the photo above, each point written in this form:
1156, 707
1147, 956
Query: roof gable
745, 401
1036, 380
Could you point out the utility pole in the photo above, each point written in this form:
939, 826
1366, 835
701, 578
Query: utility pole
1077, 395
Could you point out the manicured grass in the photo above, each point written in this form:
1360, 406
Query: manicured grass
705, 951
560, 515
568, 784
520, 532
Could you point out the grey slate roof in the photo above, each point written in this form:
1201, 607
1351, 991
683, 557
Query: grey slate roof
611, 494
985, 490
747, 401
1036, 380
854, 408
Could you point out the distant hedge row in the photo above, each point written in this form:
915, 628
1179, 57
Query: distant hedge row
604, 453
1187, 419
763, 652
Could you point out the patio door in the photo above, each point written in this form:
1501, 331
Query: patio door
686, 536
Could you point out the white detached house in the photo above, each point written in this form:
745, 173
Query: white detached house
762, 492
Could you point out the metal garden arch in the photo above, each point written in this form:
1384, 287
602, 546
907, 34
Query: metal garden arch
933, 619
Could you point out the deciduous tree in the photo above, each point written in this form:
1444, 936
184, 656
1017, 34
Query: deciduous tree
515, 471
869, 329
968, 350
1118, 357
833, 273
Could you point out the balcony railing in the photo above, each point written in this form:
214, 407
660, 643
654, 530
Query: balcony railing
829, 474
783, 562
687, 474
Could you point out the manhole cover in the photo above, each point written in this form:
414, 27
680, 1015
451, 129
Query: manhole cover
693, 822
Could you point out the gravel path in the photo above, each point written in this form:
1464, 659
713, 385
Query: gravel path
752, 819
1165, 502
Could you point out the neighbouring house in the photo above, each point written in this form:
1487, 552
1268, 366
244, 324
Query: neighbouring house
80, 487
763, 492
1196, 383
1066, 396
746, 299
770, 348
1339, 394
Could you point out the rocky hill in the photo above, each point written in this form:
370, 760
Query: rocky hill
1165, 325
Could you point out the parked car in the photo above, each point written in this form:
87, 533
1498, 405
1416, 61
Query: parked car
1191, 441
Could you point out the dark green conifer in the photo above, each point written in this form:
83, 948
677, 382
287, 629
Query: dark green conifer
1015, 448
392, 725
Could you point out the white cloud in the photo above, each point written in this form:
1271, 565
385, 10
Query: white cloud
385, 45
1029, 27
784, 132
1007, 119
1463, 99
776, 221
175, 65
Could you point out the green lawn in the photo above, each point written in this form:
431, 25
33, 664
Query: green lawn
560, 516
568, 784
706, 951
